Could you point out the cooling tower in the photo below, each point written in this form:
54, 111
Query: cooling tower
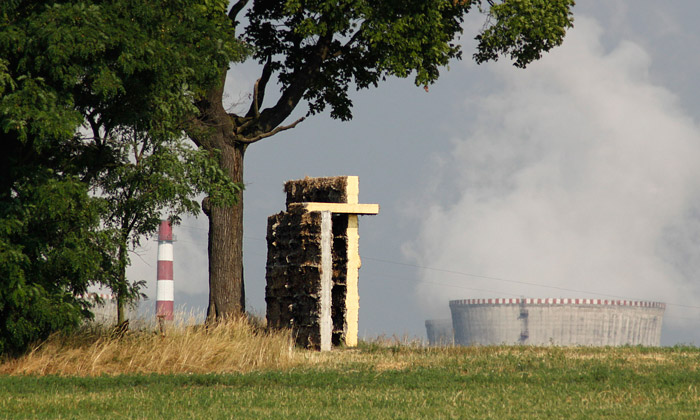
561, 322
439, 332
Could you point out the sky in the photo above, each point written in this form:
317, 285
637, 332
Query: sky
578, 177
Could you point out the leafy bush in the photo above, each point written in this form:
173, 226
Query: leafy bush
50, 251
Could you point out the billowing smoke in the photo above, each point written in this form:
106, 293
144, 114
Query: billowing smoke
577, 178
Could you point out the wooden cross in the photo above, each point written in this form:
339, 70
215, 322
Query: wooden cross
352, 298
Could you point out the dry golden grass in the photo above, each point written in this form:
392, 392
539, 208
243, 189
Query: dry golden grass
243, 345
236, 345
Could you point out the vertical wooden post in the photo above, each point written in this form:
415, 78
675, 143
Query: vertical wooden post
352, 296
326, 322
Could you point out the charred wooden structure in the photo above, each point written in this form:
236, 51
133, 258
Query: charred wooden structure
313, 261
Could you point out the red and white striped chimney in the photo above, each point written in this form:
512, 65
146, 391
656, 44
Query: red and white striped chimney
165, 295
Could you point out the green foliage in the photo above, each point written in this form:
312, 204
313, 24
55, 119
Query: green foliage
50, 251
324, 47
152, 177
5, 78
523, 29
149, 178
69, 68
204, 174
353, 41
118, 59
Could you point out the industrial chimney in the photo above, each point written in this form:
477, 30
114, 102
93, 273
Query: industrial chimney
164, 284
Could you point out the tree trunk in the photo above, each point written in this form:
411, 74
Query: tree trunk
226, 287
120, 309
121, 283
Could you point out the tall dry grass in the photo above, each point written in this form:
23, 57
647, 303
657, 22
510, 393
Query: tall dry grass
241, 345
236, 345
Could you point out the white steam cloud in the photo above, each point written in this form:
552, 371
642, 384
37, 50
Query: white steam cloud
579, 174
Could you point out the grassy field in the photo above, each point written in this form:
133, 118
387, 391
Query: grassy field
484, 383
375, 381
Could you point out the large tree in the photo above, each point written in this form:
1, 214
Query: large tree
73, 76
317, 50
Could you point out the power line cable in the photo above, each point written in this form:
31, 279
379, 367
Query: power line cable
464, 274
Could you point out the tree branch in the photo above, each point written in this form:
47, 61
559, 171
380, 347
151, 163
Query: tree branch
259, 89
294, 92
348, 44
250, 121
193, 128
95, 127
235, 10
141, 151
271, 133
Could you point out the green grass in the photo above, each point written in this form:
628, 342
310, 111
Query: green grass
377, 382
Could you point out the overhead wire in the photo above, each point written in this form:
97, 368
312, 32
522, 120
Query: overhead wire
480, 276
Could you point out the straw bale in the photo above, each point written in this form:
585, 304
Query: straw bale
320, 190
